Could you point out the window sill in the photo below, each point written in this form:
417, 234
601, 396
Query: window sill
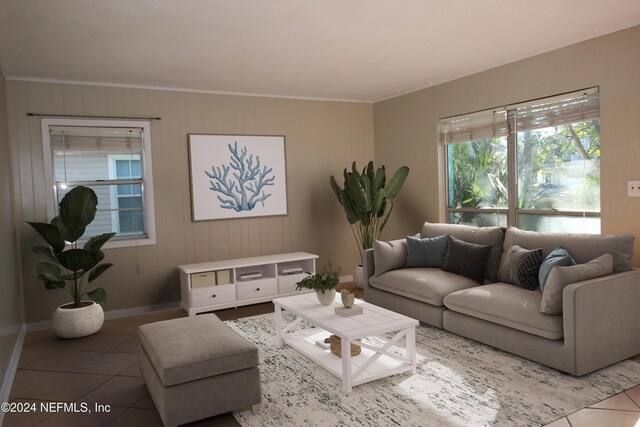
129, 243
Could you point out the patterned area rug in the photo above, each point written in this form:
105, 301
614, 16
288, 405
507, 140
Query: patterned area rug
458, 383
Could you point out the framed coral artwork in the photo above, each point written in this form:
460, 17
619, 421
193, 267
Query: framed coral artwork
237, 176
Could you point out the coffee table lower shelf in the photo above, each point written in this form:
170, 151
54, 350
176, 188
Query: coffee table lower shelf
382, 365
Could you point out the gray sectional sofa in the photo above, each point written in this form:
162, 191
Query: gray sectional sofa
600, 319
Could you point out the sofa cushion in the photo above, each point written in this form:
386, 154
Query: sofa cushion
493, 236
389, 255
467, 259
427, 252
428, 285
192, 348
558, 257
562, 276
509, 306
582, 247
521, 267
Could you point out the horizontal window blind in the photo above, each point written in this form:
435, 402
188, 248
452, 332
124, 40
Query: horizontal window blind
498, 122
116, 140
474, 127
564, 109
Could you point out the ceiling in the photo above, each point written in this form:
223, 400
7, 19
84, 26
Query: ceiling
358, 50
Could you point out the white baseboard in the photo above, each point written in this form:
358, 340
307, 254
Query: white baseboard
10, 373
113, 314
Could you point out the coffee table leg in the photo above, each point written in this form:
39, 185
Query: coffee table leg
346, 365
278, 313
411, 346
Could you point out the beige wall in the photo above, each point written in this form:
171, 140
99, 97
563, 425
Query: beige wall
11, 300
405, 127
321, 138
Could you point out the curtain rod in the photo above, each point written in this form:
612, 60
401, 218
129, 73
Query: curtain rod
91, 117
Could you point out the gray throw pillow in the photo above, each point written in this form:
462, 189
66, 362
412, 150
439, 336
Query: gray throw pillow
429, 252
559, 277
557, 257
521, 267
389, 255
466, 259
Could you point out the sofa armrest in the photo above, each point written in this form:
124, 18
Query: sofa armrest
368, 269
601, 318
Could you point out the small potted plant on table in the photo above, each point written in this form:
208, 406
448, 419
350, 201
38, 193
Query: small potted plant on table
324, 284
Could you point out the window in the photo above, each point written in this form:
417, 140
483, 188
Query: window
534, 165
114, 159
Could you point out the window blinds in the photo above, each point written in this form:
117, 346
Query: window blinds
567, 108
474, 127
75, 139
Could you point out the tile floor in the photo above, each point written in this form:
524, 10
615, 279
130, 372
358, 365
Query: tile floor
103, 369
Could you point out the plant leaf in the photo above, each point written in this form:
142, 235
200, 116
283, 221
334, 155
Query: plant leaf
98, 295
395, 183
96, 272
96, 242
335, 187
378, 181
46, 252
356, 193
348, 207
77, 210
50, 233
50, 274
79, 259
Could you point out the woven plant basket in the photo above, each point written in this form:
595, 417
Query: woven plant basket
336, 346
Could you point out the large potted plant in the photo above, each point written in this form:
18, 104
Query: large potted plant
367, 199
72, 268
324, 284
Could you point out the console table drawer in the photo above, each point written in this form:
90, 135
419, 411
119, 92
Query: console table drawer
213, 295
257, 288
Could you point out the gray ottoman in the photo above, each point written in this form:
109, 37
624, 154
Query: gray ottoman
196, 367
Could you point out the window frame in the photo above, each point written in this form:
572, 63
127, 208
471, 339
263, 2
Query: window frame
512, 212
112, 160
122, 240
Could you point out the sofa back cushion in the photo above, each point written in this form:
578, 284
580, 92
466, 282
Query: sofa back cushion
582, 247
493, 236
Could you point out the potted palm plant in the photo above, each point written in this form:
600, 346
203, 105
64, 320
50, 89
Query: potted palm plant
324, 284
367, 199
72, 268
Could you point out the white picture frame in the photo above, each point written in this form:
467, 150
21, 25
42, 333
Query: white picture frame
237, 176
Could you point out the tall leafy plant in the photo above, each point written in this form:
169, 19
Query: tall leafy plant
367, 199
72, 269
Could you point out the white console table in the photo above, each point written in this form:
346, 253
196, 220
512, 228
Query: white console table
216, 285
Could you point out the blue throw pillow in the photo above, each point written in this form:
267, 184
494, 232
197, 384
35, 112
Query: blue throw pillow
428, 252
557, 257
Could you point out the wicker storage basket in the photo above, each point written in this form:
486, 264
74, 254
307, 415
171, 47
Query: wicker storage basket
336, 346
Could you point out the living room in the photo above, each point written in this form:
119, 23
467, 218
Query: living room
91, 61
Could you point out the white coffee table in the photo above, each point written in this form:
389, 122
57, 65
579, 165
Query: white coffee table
372, 363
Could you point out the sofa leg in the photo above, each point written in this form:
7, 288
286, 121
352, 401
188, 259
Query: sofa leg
255, 409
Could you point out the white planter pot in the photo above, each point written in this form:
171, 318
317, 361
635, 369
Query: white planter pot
77, 322
358, 277
327, 298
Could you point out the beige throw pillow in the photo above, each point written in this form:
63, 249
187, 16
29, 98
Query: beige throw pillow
559, 277
389, 255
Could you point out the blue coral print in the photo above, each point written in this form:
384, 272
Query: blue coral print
245, 187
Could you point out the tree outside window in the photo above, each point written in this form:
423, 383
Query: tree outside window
556, 159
